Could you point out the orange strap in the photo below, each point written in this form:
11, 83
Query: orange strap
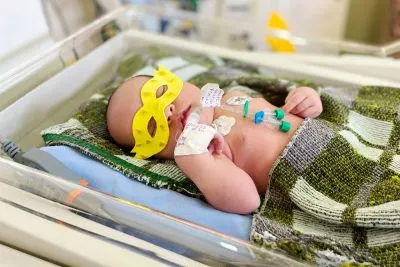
75, 193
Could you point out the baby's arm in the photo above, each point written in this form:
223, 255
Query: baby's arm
224, 185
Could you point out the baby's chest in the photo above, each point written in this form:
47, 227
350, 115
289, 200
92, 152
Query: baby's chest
241, 132
242, 109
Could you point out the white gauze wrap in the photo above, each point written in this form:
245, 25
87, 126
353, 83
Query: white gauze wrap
194, 139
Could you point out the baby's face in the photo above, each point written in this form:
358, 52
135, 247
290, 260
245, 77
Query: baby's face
126, 102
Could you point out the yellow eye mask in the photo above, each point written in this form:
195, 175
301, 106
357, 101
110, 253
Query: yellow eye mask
147, 145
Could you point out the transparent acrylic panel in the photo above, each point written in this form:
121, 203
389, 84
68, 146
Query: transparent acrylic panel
188, 239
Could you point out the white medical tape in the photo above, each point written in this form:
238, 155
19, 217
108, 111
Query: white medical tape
223, 124
194, 139
238, 100
211, 95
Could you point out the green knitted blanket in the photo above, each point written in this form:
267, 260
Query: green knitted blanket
333, 197
334, 194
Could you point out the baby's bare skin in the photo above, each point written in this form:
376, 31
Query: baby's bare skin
254, 148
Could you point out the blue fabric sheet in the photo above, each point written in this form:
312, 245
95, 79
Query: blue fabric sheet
104, 179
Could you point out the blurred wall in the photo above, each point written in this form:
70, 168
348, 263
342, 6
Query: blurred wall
23, 32
369, 21
21, 22
65, 17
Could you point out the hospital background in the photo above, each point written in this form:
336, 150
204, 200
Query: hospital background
39, 24
57, 55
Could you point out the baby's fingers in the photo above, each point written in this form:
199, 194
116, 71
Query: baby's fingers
211, 148
311, 112
292, 102
306, 104
219, 143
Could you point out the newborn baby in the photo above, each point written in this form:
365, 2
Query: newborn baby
231, 160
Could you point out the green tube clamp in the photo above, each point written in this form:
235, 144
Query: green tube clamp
246, 109
285, 126
279, 114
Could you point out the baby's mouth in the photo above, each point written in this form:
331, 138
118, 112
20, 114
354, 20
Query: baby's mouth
185, 115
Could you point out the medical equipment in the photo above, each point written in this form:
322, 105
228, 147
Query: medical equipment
26, 110
37, 159
266, 117
211, 97
211, 32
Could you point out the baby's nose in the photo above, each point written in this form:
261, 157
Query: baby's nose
169, 112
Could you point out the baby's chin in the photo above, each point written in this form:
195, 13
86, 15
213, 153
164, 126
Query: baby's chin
164, 155
168, 152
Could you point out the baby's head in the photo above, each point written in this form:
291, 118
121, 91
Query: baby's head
126, 101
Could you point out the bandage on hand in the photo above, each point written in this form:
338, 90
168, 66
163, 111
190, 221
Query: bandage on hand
198, 139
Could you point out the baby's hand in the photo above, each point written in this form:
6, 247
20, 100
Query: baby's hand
304, 102
216, 145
